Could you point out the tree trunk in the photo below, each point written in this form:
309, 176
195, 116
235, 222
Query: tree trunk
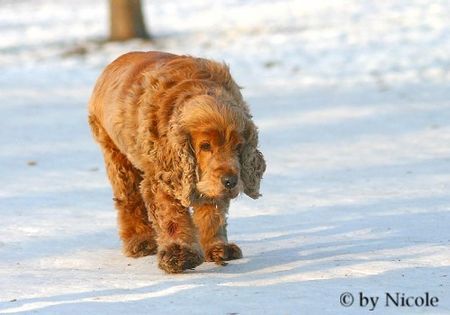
126, 20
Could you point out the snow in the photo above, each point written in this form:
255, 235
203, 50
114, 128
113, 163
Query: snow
353, 105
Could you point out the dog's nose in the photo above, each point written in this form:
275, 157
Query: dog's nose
229, 181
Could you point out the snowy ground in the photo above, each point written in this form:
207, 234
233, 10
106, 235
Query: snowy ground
353, 102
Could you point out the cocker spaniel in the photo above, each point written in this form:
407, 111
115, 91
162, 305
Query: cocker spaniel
176, 135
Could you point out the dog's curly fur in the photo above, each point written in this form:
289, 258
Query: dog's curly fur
173, 129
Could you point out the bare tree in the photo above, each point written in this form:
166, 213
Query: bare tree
126, 20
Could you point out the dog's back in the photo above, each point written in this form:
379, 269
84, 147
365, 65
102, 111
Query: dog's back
107, 103
139, 79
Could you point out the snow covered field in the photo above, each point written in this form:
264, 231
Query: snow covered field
353, 103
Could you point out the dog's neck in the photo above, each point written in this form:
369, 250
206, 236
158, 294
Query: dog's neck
201, 199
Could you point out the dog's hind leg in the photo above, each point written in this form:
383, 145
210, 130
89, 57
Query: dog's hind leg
135, 229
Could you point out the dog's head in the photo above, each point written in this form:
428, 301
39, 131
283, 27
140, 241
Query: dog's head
219, 145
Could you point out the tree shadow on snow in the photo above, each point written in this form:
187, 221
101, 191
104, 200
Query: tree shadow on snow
309, 255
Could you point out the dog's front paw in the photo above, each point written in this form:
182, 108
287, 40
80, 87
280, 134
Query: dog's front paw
221, 252
176, 258
139, 246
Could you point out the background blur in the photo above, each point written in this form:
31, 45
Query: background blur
353, 103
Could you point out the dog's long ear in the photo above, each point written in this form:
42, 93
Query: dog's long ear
183, 176
178, 176
253, 164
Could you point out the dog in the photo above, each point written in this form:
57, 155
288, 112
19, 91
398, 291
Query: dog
179, 143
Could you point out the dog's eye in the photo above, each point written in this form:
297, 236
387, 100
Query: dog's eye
205, 146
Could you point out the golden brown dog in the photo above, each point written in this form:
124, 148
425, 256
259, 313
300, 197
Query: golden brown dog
175, 134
